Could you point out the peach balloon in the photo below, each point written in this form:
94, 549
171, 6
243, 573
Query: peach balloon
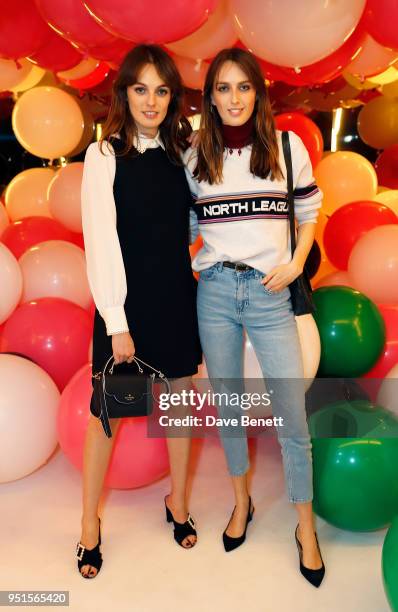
320, 228
295, 33
4, 219
55, 268
325, 268
28, 415
372, 59
13, 72
10, 283
127, 469
218, 32
47, 122
373, 264
389, 197
26, 194
378, 122
89, 127
85, 67
340, 277
310, 343
193, 72
388, 392
64, 196
33, 78
345, 177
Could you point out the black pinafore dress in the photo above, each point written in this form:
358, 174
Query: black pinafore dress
152, 199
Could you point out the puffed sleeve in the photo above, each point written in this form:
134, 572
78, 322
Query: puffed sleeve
189, 159
307, 195
104, 261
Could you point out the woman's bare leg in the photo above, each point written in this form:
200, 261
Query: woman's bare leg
179, 453
97, 452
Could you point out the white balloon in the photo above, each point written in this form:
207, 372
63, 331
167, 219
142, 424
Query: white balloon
10, 283
310, 342
28, 413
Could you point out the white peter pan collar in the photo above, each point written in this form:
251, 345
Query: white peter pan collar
144, 142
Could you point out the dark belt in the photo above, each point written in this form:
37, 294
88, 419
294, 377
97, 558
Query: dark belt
237, 266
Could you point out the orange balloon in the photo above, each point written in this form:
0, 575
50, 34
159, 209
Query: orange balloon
89, 127
47, 122
320, 227
378, 122
64, 196
26, 194
345, 177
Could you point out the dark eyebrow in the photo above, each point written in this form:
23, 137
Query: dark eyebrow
226, 82
139, 83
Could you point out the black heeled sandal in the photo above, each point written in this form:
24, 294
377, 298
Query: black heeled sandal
181, 530
314, 576
90, 556
232, 543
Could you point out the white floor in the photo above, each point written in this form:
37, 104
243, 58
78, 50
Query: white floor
144, 570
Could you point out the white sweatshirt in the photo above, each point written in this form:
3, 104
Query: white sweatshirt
245, 218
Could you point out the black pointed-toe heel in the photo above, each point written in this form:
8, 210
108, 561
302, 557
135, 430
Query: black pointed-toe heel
181, 530
232, 543
90, 556
314, 576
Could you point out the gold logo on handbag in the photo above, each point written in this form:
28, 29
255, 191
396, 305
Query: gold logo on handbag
129, 397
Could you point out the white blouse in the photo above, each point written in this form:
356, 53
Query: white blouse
104, 261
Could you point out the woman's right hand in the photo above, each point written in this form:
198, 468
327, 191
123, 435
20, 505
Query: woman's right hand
123, 347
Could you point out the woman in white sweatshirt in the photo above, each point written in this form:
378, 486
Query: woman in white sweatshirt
237, 177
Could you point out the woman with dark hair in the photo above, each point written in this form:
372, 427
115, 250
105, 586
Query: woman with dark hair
237, 177
135, 212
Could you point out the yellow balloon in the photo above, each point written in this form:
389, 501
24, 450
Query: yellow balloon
345, 177
48, 122
33, 78
378, 122
388, 76
390, 90
389, 198
357, 82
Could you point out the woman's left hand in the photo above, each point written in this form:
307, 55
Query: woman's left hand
281, 276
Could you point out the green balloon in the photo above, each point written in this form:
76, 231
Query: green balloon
355, 478
390, 565
352, 331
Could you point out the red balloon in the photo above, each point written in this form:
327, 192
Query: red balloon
20, 235
56, 54
307, 130
156, 22
348, 223
381, 21
112, 52
93, 79
53, 332
387, 167
22, 29
389, 357
73, 21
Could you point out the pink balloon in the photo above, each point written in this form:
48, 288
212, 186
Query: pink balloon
73, 21
382, 21
295, 33
216, 33
158, 22
373, 264
20, 235
340, 277
193, 72
10, 283
389, 357
127, 470
372, 59
54, 333
64, 196
55, 268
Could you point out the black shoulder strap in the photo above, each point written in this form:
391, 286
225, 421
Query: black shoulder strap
290, 197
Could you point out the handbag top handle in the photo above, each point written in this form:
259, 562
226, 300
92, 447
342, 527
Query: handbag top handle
290, 197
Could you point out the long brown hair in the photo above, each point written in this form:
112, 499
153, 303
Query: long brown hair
174, 128
264, 158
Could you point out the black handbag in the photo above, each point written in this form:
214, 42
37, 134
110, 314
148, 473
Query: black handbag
300, 288
127, 394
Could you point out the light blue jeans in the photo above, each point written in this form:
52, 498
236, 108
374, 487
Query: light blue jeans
229, 302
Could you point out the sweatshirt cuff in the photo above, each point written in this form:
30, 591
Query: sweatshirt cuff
115, 320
